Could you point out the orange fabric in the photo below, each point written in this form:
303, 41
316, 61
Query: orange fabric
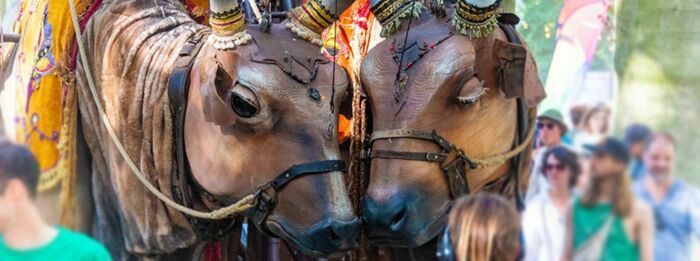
351, 41
344, 128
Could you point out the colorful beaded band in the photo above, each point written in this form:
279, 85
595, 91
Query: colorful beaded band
309, 20
227, 23
476, 22
229, 29
389, 13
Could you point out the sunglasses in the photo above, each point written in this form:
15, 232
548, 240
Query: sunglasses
550, 167
549, 125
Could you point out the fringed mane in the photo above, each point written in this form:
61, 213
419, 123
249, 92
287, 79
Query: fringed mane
132, 47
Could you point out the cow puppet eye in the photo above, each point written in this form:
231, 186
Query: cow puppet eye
243, 102
471, 92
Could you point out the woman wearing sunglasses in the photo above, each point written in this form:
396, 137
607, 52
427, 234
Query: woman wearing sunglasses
544, 218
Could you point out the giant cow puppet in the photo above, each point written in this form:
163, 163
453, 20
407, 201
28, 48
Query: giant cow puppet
452, 96
258, 104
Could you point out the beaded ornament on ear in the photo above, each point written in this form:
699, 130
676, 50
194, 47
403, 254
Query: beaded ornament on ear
309, 20
228, 23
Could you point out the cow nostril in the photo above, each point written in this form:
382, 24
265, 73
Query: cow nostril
334, 235
398, 219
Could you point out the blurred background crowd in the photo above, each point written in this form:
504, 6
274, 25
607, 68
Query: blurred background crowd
583, 179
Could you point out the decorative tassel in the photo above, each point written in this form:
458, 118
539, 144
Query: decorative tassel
230, 42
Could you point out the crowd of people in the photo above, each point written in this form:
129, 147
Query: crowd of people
590, 197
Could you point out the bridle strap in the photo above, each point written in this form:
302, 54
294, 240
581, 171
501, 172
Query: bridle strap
401, 133
305, 169
417, 156
266, 195
455, 170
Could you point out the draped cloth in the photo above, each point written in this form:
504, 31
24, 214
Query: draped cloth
42, 78
132, 47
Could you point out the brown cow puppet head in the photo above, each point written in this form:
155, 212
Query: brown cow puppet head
457, 81
259, 104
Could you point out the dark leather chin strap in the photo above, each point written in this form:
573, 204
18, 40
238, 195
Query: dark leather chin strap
188, 192
266, 195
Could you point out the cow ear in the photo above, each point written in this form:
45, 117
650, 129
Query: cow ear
517, 72
218, 81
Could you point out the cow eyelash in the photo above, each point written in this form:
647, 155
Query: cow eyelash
472, 99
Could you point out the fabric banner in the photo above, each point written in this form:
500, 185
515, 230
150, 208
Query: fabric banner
44, 80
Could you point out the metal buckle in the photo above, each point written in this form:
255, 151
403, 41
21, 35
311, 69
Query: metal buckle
366, 154
463, 156
265, 199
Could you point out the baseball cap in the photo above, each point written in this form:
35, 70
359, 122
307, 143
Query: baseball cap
636, 133
611, 147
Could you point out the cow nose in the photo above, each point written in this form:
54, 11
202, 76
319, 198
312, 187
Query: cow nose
335, 235
387, 215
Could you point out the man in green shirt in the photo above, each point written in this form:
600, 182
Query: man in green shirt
24, 235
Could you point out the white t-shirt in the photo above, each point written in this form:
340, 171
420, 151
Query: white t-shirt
538, 182
543, 230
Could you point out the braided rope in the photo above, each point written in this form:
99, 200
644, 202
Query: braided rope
225, 212
502, 158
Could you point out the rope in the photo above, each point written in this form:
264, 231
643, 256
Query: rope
225, 212
405, 41
500, 159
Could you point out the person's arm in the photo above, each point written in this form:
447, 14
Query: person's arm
569, 235
646, 230
694, 211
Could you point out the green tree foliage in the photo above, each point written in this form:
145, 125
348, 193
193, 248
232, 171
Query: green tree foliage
657, 59
538, 26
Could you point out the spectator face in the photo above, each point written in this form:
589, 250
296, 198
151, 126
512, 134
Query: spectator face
636, 149
598, 121
659, 159
550, 132
8, 198
603, 165
557, 173
585, 176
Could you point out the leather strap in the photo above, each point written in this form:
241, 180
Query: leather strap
400, 133
507, 25
266, 195
305, 169
418, 156
185, 189
454, 170
456, 178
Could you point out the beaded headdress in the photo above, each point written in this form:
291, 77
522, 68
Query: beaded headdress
476, 18
389, 13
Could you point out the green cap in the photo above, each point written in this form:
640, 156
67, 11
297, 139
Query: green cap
555, 115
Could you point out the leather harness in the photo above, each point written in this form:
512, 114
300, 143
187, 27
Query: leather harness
455, 169
185, 188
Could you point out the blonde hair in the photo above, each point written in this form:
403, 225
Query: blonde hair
484, 227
